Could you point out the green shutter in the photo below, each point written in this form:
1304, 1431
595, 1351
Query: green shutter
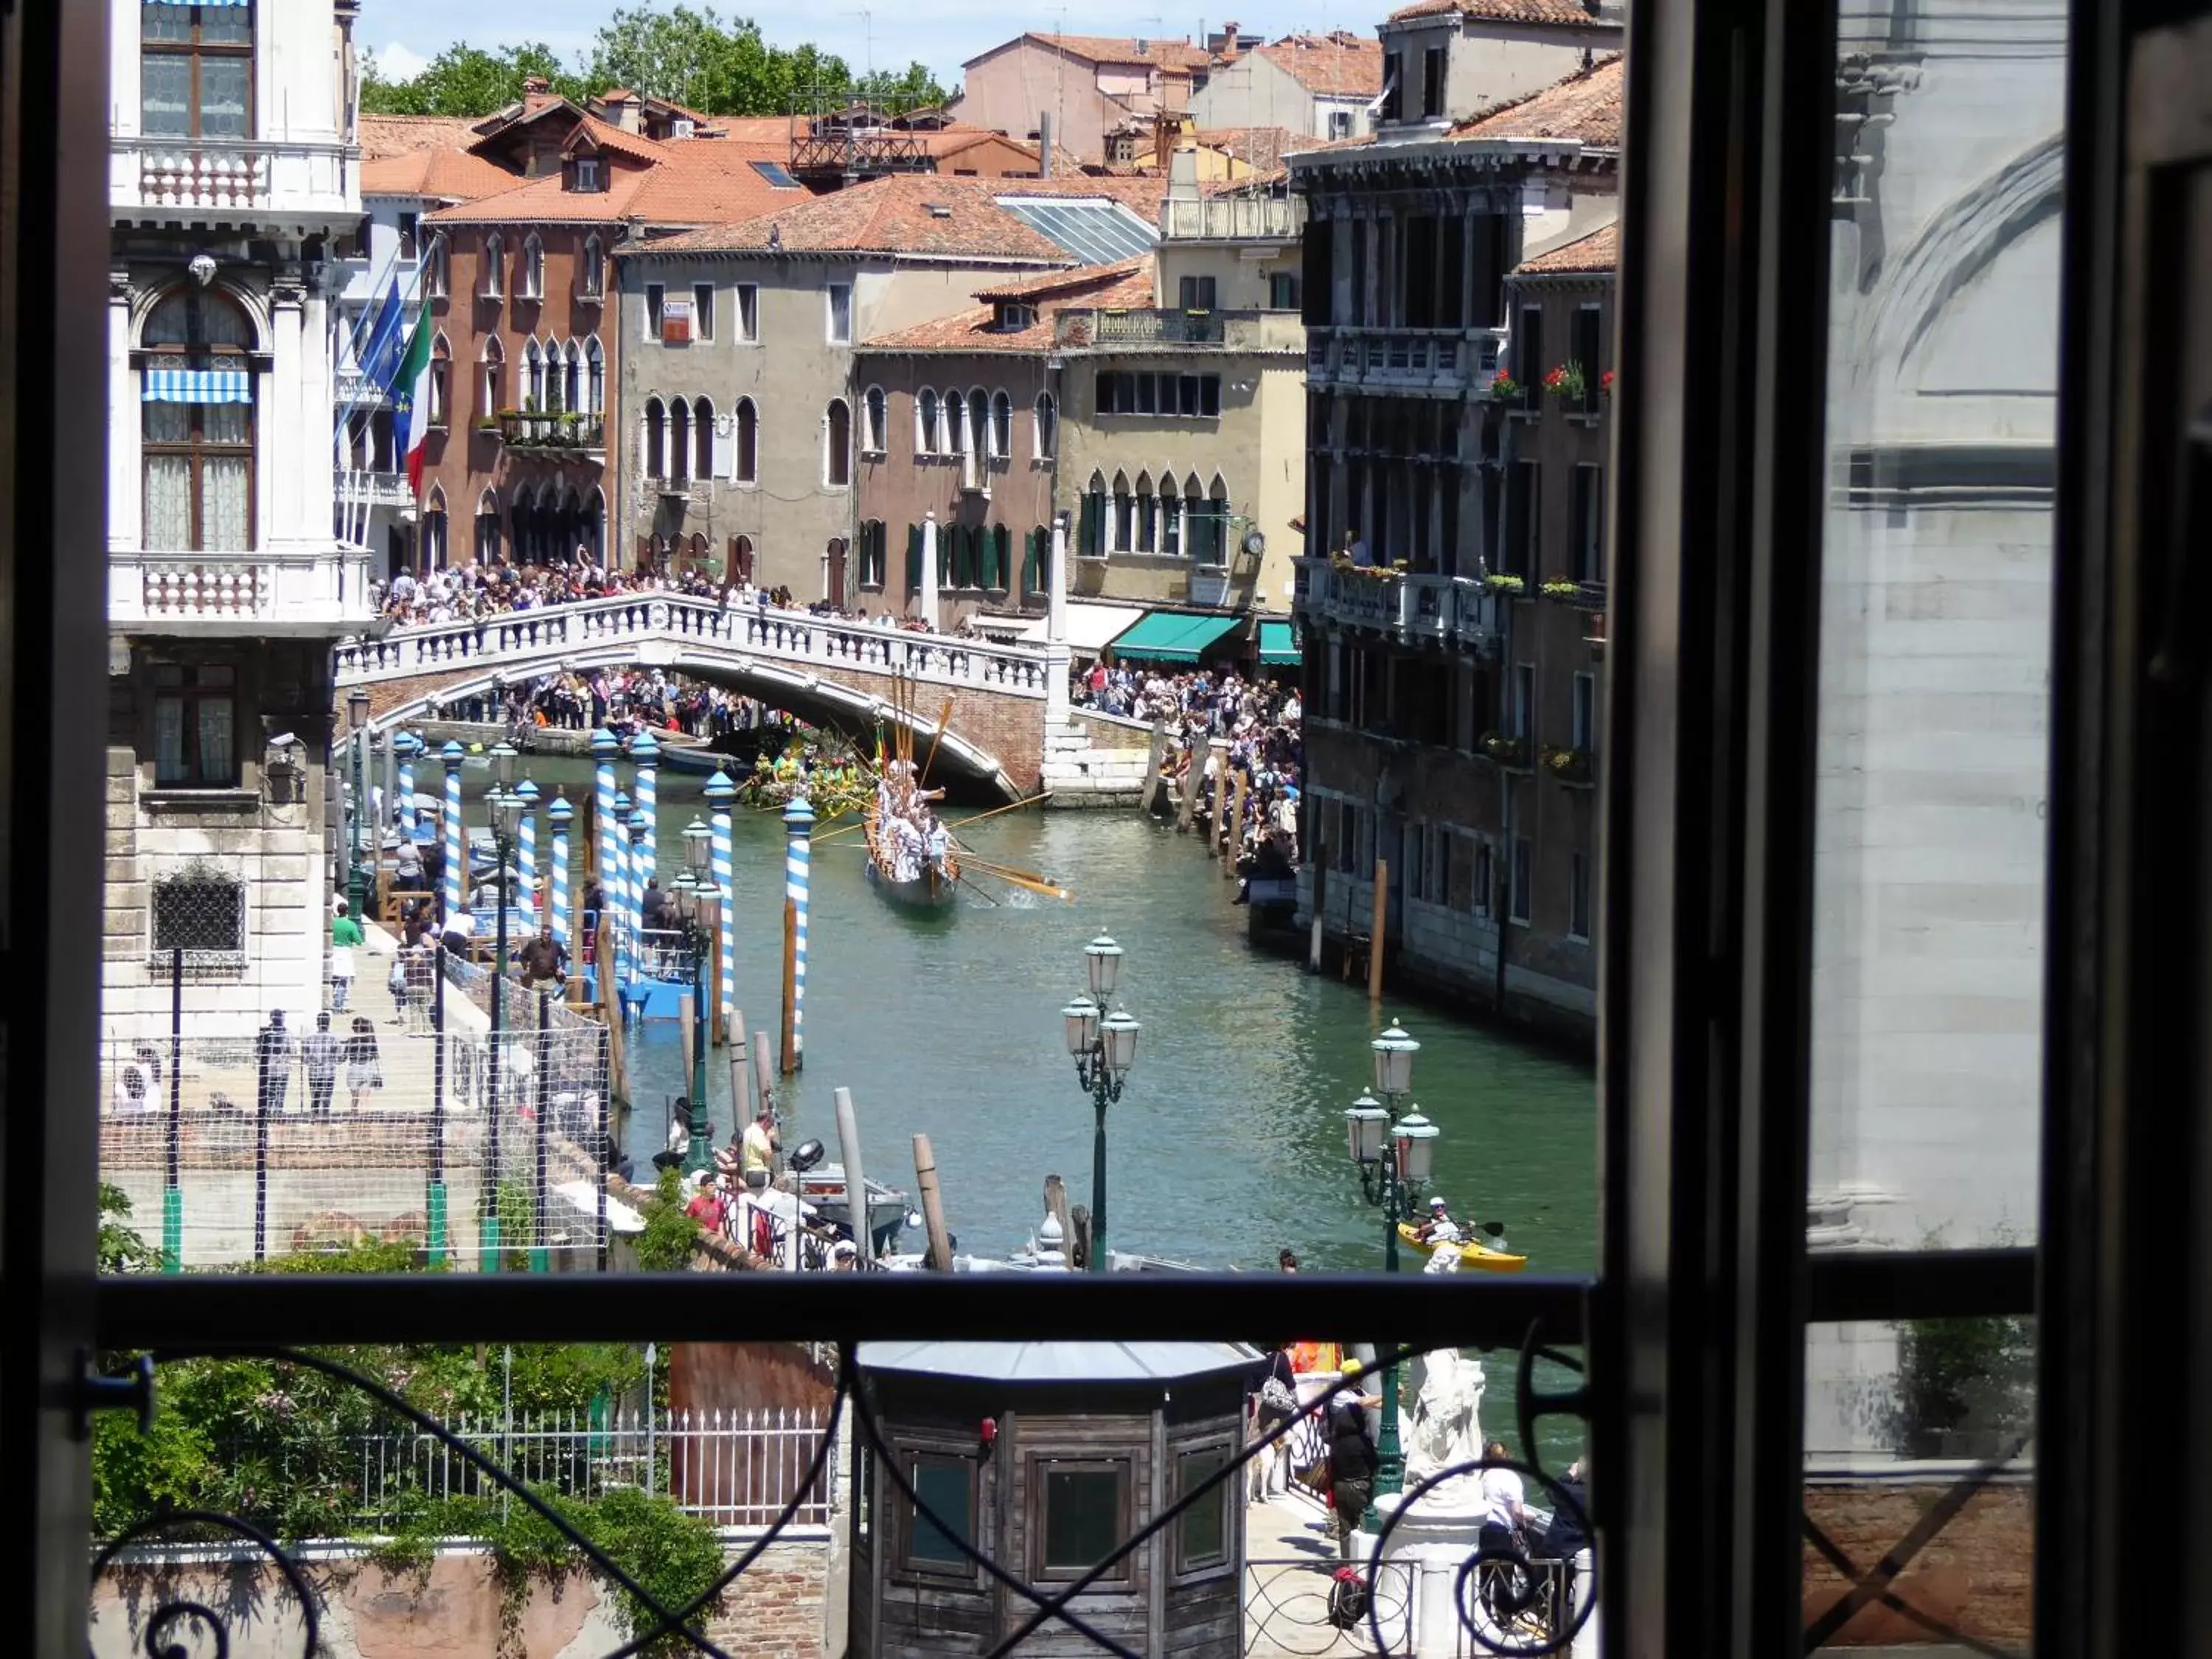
1033, 561
1086, 535
914, 558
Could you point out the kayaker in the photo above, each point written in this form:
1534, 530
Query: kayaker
1439, 1228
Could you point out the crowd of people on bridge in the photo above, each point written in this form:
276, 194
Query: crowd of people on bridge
1260, 723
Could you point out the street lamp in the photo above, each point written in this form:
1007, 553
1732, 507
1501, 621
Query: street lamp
1103, 1046
503, 756
1391, 1176
698, 901
364, 827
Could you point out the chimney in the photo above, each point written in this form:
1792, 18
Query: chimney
625, 109
534, 85
1229, 40
1164, 128
1044, 145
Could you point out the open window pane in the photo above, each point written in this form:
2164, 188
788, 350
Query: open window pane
946, 1490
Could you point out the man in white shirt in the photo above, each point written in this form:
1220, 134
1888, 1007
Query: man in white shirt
1504, 1585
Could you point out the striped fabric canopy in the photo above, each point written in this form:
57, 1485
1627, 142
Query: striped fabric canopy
197, 386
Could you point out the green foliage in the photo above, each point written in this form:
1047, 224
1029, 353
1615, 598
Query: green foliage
465, 80
689, 55
1965, 1387
121, 1249
670, 1234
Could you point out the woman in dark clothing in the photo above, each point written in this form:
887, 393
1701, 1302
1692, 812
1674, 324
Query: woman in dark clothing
1350, 1463
1274, 1402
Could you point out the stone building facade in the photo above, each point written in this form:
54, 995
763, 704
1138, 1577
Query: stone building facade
233, 172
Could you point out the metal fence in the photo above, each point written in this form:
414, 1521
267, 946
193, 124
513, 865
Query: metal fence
734, 1468
1292, 1609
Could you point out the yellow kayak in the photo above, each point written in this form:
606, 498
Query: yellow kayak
1480, 1257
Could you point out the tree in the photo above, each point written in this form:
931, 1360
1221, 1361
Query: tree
684, 55
465, 80
915, 88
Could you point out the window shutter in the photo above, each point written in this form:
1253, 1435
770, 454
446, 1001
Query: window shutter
1086, 538
914, 558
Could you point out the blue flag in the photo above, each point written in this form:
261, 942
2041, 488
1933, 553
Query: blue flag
381, 353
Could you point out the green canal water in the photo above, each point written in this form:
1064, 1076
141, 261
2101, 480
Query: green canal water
1229, 1143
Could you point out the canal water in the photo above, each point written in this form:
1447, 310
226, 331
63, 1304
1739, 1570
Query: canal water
1228, 1144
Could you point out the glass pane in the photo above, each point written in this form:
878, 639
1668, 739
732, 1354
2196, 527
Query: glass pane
1082, 1516
1916, 1452
1936, 619
169, 741
944, 1491
218, 765
168, 501
229, 25
166, 22
1205, 1524
165, 94
225, 525
223, 96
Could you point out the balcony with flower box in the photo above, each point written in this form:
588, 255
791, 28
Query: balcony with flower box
1167, 328
258, 593
1410, 606
531, 432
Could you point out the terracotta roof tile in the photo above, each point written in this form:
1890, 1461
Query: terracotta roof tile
1261, 148
1597, 251
1125, 286
608, 137
1584, 107
1176, 57
445, 174
382, 136
1065, 281
709, 181
1555, 14
919, 215
1329, 66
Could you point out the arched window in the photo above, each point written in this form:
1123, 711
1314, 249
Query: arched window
532, 283
873, 553
703, 443
491, 282
437, 267
595, 525
533, 377
572, 378
1002, 426
487, 526
441, 382
1148, 517
680, 440
925, 422
591, 279
741, 558
1118, 542
748, 434
837, 445
997, 558
430, 551
1217, 515
1193, 520
1047, 427
491, 386
874, 422
595, 364
978, 422
656, 440
956, 422
1171, 526
1036, 562
196, 411
1091, 535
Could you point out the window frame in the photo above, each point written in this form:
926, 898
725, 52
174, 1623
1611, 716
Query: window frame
747, 313
875, 421
830, 307
1042, 1463
196, 447
905, 1562
702, 311
491, 268
189, 695
196, 51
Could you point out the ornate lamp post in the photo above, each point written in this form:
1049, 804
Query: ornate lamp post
1391, 1176
1103, 1046
365, 827
697, 898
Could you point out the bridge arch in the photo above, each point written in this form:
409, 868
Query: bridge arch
815, 698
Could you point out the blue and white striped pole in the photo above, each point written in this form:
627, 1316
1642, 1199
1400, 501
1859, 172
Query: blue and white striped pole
556, 898
525, 849
457, 850
640, 856
721, 795
644, 755
406, 745
605, 747
798, 857
614, 911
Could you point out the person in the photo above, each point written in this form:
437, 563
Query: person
319, 1052
134, 1088
1503, 1514
346, 937
759, 1150
678, 1145
1351, 1463
1273, 1404
706, 1204
407, 866
364, 1065
272, 1056
1439, 1228
1567, 1537
1287, 1260
397, 984
458, 927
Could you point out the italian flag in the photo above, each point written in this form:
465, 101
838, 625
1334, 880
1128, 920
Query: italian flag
412, 410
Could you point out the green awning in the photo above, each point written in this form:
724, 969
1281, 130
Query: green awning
1169, 637
1277, 647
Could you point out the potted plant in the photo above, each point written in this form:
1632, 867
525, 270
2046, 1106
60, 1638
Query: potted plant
1505, 389
1559, 588
1506, 751
1504, 581
1605, 384
1565, 380
1570, 765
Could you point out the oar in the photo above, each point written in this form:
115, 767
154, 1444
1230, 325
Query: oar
1041, 795
936, 738
976, 890
1019, 879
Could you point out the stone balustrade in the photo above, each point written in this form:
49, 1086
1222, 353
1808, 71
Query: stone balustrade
253, 592
1456, 611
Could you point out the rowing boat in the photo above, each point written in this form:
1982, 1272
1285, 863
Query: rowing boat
1480, 1257
935, 886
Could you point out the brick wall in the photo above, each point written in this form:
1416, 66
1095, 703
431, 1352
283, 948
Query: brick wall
775, 1609
1976, 1575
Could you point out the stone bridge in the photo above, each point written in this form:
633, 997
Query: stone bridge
828, 671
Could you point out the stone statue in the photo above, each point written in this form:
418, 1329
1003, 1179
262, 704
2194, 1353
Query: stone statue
1444, 1426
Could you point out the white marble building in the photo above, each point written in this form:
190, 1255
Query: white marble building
1936, 647
231, 171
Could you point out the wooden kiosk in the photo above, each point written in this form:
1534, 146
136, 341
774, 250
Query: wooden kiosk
1047, 1456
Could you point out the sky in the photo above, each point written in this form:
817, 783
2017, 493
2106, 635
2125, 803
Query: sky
942, 33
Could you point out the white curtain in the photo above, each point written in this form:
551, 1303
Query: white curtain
217, 764
168, 740
168, 503
224, 526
